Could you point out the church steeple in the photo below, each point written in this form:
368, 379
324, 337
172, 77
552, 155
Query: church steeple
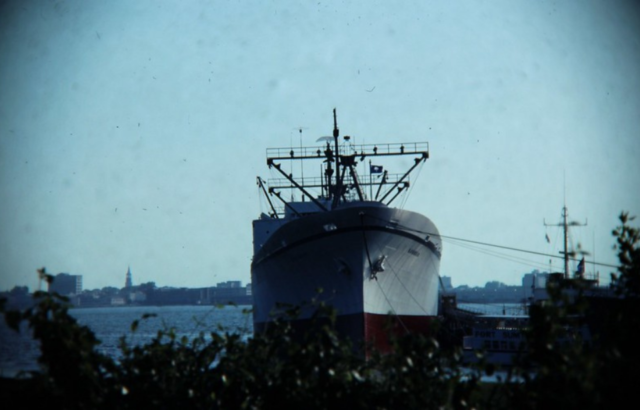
127, 283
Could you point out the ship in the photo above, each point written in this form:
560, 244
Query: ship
335, 238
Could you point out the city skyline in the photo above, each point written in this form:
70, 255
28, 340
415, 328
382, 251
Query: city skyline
129, 276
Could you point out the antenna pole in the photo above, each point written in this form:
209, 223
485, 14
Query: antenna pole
301, 155
566, 253
338, 188
370, 183
565, 228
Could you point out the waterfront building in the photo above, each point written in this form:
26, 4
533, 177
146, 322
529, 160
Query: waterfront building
65, 284
535, 280
446, 283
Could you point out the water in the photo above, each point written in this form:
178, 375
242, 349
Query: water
20, 352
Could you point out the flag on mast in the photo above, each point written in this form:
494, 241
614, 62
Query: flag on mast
375, 169
580, 271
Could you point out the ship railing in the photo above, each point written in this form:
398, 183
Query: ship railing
319, 182
364, 150
281, 210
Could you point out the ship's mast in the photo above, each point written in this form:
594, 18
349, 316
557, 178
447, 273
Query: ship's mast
338, 187
565, 229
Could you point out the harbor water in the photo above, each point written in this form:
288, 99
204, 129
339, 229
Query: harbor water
19, 352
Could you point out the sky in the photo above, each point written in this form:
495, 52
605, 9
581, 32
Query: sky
132, 132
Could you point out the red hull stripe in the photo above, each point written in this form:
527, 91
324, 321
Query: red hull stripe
374, 329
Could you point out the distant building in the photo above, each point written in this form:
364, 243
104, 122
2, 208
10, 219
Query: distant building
446, 282
128, 283
535, 280
494, 284
66, 285
118, 301
229, 290
230, 284
137, 297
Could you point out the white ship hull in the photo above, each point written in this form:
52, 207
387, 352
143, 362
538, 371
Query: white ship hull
375, 265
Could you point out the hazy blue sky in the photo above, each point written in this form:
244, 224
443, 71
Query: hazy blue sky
131, 132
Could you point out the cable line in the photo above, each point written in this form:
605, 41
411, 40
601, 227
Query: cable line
518, 250
500, 246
